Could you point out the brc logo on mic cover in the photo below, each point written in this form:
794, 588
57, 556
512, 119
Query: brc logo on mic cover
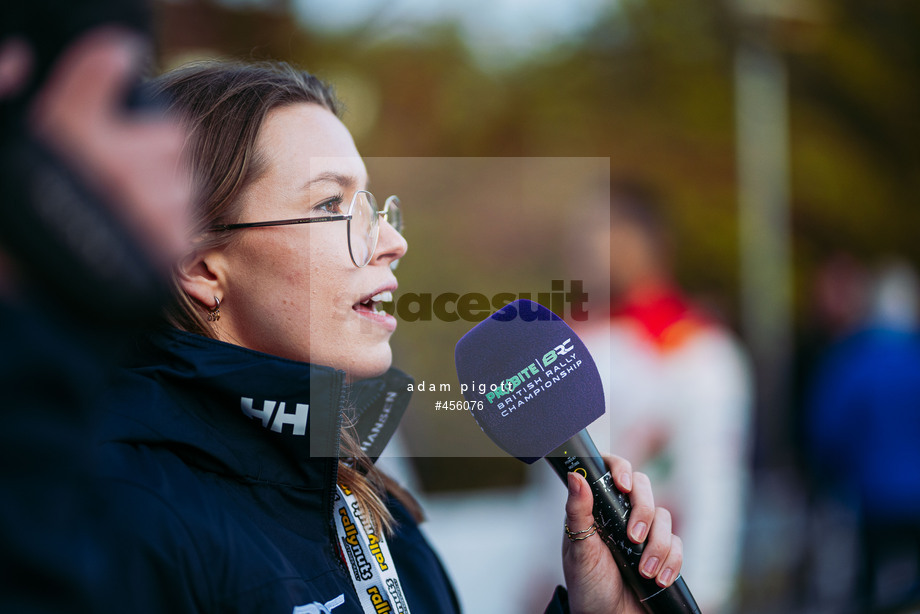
538, 375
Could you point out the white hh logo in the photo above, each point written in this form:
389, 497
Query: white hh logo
275, 414
320, 608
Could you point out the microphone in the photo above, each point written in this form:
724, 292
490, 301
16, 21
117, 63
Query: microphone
539, 388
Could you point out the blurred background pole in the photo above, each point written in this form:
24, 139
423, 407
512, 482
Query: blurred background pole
762, 146
778, 510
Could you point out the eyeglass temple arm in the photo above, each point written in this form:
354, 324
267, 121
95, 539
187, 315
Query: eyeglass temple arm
309, 220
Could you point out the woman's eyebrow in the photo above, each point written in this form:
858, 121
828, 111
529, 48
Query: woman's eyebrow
345, 181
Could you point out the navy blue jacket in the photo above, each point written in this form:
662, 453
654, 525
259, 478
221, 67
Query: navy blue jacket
220, 496
52, 544
864, 422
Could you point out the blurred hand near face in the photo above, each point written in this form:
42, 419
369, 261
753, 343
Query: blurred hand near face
131, 156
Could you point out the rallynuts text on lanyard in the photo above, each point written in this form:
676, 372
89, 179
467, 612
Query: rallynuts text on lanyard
368, 558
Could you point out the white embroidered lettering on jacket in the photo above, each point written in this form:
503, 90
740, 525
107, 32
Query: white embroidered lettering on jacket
275, 414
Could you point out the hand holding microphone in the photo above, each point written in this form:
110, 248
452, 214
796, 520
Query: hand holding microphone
544, 389
593, 582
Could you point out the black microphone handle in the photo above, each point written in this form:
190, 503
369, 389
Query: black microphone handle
611, 513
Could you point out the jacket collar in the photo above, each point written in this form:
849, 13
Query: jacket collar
233, 410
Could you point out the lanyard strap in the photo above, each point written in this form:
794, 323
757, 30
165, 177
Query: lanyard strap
367, 555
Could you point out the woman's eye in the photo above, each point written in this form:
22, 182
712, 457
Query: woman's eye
331, 206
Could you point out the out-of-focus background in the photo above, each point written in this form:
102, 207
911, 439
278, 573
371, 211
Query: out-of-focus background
764, 155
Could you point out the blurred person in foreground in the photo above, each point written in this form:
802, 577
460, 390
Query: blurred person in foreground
93, 212
864, 439
678, 392
241, 441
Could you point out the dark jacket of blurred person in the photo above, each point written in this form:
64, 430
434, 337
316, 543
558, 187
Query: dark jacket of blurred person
73, 281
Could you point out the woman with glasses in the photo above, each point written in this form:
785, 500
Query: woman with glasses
240, 441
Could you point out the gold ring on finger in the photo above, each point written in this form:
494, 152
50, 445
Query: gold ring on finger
576, 536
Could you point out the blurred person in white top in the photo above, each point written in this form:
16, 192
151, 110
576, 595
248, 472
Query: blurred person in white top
678, 392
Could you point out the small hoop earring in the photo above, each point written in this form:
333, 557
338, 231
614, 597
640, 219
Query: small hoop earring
214, 312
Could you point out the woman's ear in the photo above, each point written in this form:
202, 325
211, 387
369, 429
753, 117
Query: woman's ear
201, 277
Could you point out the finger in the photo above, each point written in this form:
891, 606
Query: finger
16, 60
659, 544
643, 508
621, 470
670, 568
579, 505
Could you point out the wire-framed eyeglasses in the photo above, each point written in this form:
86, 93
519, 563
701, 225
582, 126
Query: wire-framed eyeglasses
363, 227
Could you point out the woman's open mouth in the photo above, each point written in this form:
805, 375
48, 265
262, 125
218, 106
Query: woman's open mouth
371, 308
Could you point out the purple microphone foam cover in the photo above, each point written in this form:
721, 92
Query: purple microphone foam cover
533, 378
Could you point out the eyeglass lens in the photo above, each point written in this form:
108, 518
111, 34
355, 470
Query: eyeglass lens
363, 237
365, 226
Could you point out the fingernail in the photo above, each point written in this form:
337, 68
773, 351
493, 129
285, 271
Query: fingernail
626, 481
648, 570
573, 484
638, 532
665, 577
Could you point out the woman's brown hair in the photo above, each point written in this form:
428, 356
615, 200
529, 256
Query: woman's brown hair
224, 106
